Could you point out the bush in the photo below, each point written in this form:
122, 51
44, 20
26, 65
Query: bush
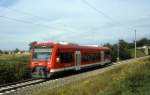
13, 68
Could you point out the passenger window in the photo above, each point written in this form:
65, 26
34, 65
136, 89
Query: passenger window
91, 57
66, 57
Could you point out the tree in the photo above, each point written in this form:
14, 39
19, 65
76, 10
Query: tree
1, 52
123, 43
31, 44
113, 50
107, 45
6, 52
124, 50
16, 50
142, 42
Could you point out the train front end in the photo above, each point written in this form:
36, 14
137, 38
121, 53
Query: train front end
41, 57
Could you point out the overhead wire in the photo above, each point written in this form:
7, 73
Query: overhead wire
97, 10
29, 22
37, 24
24, 21
102, 13
24, 13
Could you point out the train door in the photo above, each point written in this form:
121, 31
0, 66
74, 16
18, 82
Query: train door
77, 60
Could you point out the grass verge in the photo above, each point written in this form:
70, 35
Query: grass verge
127, 79
13, 68
140, 53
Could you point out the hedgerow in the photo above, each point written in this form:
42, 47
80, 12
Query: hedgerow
14, 68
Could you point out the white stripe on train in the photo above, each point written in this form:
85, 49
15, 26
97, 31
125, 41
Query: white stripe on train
80, 66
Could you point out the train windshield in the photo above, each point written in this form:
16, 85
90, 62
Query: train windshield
42, 54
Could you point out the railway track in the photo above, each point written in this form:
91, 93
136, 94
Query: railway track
28, 87
12, 87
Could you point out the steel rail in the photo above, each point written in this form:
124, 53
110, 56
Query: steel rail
12, 87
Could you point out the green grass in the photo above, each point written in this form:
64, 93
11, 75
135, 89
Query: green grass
127, 79
140, 53
13, 68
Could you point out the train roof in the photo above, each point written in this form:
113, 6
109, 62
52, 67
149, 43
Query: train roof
70, 45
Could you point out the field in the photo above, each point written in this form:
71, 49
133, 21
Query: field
13, 68
127, 79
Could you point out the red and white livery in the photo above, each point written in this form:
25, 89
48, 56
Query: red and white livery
51, 58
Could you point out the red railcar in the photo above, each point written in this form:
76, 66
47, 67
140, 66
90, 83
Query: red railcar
51, 58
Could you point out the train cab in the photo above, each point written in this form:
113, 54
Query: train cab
41, 57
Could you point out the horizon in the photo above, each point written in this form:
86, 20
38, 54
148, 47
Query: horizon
78, 44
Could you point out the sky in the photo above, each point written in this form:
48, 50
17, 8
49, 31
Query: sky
76, 21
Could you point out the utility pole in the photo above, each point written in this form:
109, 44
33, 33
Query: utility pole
118, 51
135, 45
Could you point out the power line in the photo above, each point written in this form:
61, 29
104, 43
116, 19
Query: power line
102, 13
29, 22
97, 10
24, 13
24, 21
37, 24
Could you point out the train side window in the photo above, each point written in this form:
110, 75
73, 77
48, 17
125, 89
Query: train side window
91, 57
66, 57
